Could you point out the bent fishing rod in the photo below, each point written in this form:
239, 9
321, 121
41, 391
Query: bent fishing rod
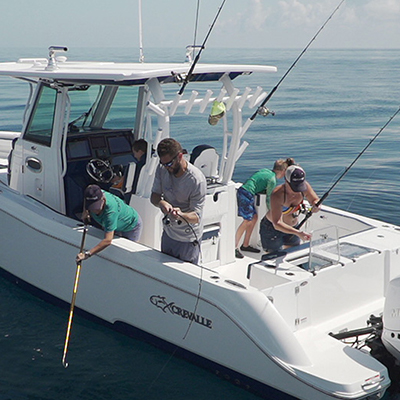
202, 47
261, 108
320, 201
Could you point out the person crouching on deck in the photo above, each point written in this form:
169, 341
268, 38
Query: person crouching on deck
113, 214
278, 228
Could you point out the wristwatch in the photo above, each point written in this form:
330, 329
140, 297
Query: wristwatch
87, 254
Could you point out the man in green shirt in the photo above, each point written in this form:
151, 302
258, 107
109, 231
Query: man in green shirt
113, 214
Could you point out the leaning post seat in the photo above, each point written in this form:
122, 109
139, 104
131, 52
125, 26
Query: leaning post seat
205, 157
130, 173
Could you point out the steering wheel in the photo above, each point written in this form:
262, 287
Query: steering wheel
100, 170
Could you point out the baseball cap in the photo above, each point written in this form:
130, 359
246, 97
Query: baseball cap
296, 177
93, 196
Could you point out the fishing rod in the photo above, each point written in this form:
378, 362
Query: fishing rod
261, 109
202, 47
309, 212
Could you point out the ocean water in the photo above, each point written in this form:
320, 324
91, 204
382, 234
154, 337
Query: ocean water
326, 112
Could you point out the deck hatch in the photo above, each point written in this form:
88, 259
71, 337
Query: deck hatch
352, 251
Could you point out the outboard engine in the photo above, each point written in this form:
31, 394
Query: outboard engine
391, 319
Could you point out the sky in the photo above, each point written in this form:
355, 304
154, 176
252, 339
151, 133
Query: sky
371, 24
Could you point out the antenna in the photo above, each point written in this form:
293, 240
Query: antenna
52, 63
141, 58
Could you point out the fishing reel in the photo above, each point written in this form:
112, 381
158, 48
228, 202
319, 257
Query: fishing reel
178, 78
167, 220
304, 208
264, 111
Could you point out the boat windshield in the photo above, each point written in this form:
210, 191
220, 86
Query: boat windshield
100, 106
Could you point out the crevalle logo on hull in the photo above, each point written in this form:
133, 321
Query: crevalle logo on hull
162, 303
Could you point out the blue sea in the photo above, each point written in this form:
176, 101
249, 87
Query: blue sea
326, 112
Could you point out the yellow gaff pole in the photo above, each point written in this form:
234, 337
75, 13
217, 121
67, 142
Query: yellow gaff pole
71, 310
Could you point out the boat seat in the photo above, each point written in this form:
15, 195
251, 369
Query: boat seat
131, 177
205, 157
130, 174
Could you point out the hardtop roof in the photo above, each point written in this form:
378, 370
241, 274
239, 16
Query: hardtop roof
122, 73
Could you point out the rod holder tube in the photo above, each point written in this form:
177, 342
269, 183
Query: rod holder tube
205, 101
244, 97
190, 102
231, 99
253, 99
156, 109
175, 104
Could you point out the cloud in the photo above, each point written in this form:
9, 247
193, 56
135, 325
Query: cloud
277, 23
372, 12
253, 18
384, 10
296, 12
292, 23
258, 14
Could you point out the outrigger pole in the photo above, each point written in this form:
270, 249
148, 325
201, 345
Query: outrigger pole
197, 58
141, 57
309, 213
260, 109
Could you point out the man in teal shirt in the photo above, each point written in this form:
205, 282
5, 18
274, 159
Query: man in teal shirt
113, 214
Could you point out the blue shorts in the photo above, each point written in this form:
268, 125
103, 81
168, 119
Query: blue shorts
246, 205
273, 240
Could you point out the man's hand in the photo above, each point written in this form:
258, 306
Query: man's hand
82, 256
304, 236
165, 207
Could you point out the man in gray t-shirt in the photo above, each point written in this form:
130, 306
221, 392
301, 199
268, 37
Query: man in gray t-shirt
179, 190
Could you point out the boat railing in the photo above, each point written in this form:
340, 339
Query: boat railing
253, 99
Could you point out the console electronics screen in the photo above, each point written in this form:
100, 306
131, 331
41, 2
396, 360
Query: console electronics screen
119, 145
98, 142
78, 149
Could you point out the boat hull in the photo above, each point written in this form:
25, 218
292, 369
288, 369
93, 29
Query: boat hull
229, 328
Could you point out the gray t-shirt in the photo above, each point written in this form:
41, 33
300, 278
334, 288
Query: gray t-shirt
186, 192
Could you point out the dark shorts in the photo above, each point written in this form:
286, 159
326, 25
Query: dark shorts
273, 240
185, 251
245, 202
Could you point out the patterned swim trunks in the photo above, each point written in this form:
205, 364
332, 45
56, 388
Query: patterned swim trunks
245, 202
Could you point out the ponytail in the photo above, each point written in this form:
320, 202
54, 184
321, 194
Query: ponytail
290, 161
281, 165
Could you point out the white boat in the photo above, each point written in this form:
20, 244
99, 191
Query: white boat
271, 325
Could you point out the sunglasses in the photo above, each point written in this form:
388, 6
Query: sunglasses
169, 163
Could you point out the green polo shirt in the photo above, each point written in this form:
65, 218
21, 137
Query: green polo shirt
117, 216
